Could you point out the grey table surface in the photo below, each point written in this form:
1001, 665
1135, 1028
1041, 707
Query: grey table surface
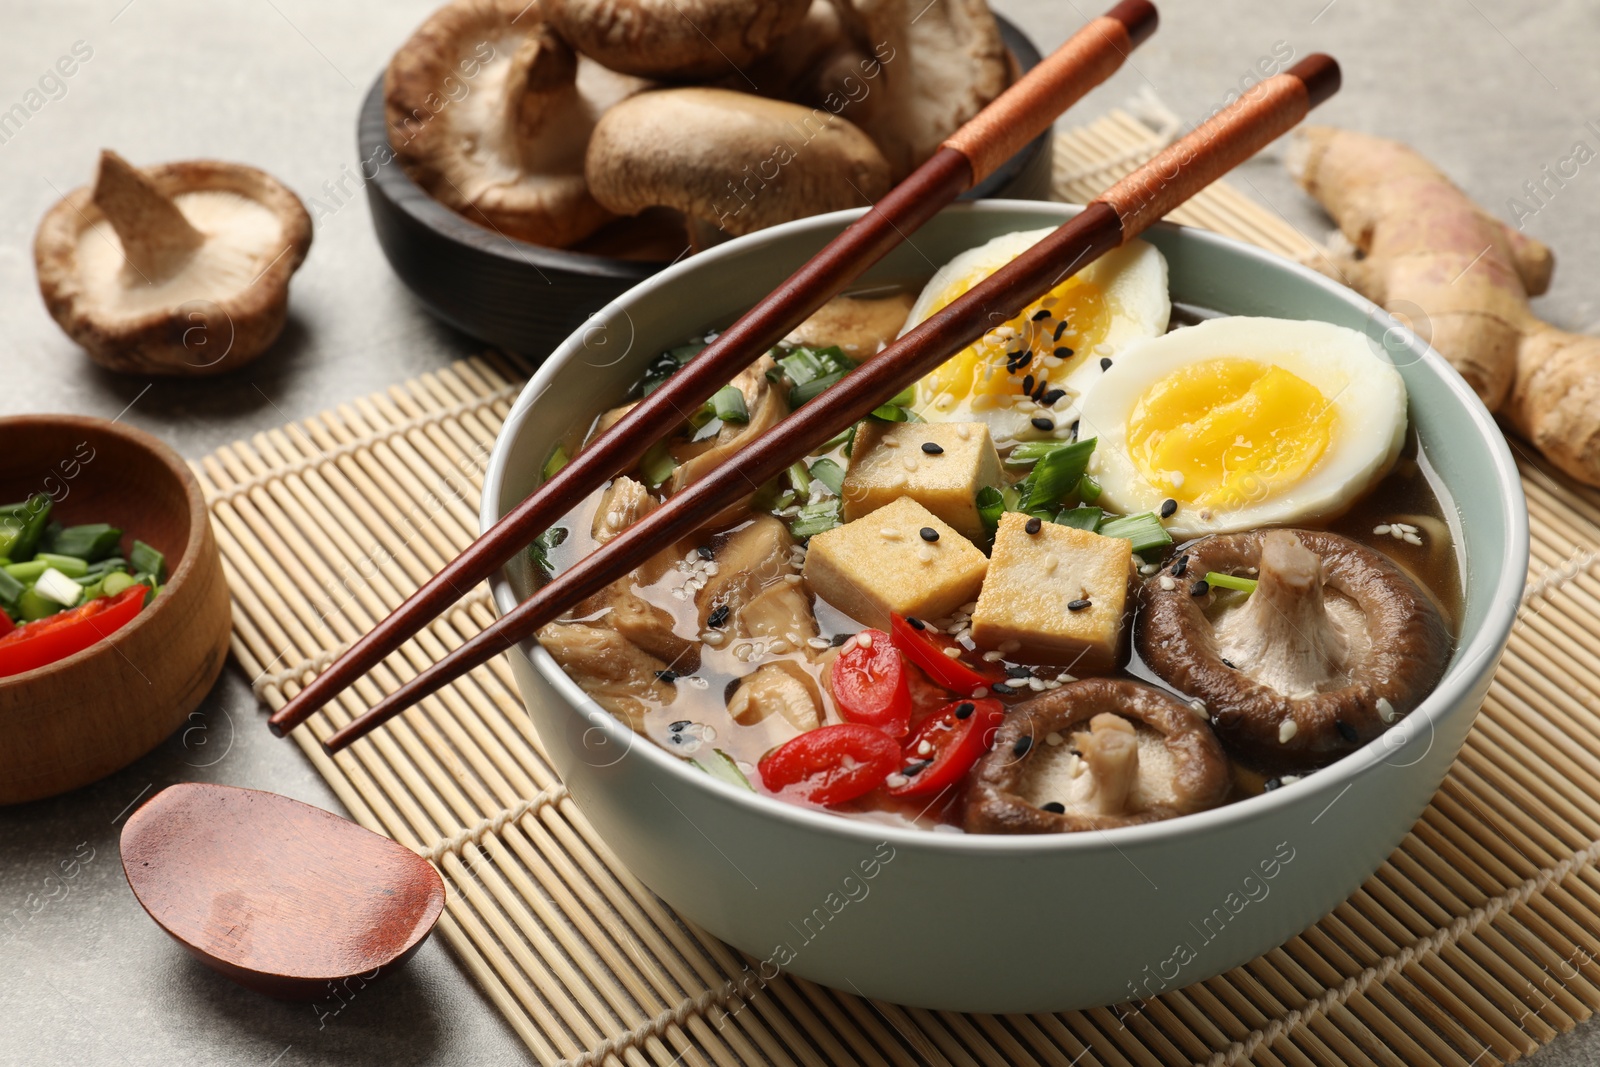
1493, 90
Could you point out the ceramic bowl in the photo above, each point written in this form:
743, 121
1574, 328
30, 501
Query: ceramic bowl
525, 297
76, 720
1011, 924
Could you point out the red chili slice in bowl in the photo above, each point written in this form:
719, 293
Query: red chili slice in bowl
927, 650
957, 735
831, 764
870, 686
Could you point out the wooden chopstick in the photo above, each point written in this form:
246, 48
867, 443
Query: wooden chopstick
972, 153
1116, 216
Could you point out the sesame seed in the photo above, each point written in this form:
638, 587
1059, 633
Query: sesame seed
841, 639
932, 448
1042, 423
1199, 709
999, 687
1180, 565
1270, 784
914, 769
679, 725
1075, 423
1079, 605
1380, 530
1027, 383
1226, 662
889, 533
1041, 314
895, 781
1200, 588
1054, 806
981, 692
1167, 583
818, 642
953, 653
929, 534
965, 709
1168, 506
1033, 525
915, 623
1052, 396
1286, 731
705, 553
926, 553
1050, 563
993, 657
792, 579
667, 676
1346, 731
1105, 362
1053, 739
1061, 328
1018, 672
1022, 745
864, 639
963, 432
910, 463
718, 617
1385, 710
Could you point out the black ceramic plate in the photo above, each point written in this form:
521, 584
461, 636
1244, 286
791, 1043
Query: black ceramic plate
527, 298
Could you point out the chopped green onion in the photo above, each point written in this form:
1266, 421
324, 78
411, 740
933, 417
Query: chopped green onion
657, 465
71, 566
720, 766
829, 474
89, 543
991, 505
33, 605
728, 405
11, 590
23, 525
1081, 518
850, 440
553, 465
685, 352
539, 550
27, 572
1030, 452
58, 587
112, 584
800, 478
145, 558
803, 365
1056, 474
1144, 530
816, 518
1230, 581
707, 431
891, 413
1088, 489
905, 397
815, 387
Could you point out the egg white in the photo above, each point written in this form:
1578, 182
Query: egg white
1367, 394
1132, 278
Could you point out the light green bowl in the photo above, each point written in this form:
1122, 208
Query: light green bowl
1009, 924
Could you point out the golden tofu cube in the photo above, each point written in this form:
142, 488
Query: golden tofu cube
887, 462
1058, 596
882, 564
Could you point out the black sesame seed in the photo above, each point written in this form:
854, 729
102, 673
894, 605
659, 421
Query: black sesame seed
1041, 314
929, 534
1053, 806
1052, 396
1200, 588
1226, 662
675, 739
932, 449
1180, 565
1063, 352
680, 724
1002, 688
965, 709
838, 639
914, 769
718, 616
1042, 423
1018, 672
1022, 745
1346, 731
1033, 525
1027, 383
1074, 752
1075, 423
667, 676
1079, 605
1270, 784
706, 553
1105, 362
1168, 507
1061, 328
915, 624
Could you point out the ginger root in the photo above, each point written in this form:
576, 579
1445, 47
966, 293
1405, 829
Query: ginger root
1415, 242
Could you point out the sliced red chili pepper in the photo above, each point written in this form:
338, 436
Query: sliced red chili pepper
36, 644
927, 650
6, 625
869, 685
957, 735
831, 764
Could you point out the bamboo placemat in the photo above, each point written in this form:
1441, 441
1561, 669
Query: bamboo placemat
1474, 944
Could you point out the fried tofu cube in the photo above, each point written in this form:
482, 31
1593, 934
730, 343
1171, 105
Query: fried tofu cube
888, 461
1058, 596
882, 564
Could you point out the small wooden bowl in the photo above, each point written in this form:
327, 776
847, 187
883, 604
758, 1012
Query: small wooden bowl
76, 720
527, 298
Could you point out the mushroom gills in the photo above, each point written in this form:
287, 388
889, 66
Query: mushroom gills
1292, 635
1116, 767
782, 689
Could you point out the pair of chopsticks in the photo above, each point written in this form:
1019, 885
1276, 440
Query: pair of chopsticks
1118, 215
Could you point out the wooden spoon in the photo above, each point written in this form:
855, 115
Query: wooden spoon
282, 897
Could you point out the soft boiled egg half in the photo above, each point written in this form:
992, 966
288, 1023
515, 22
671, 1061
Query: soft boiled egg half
1038, 365
1245, 422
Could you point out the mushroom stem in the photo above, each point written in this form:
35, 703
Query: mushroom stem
1283, 637
1111, 748
156, 238
544, 71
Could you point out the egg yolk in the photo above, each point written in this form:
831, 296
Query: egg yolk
996, 364
1229, 432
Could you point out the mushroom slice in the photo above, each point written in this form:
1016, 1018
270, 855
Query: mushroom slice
750, 594
781, 688
1335, 643
181, 268
621, 678
676, 39
859, 325
765, 404
1107, 751
731, 162
490, 111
